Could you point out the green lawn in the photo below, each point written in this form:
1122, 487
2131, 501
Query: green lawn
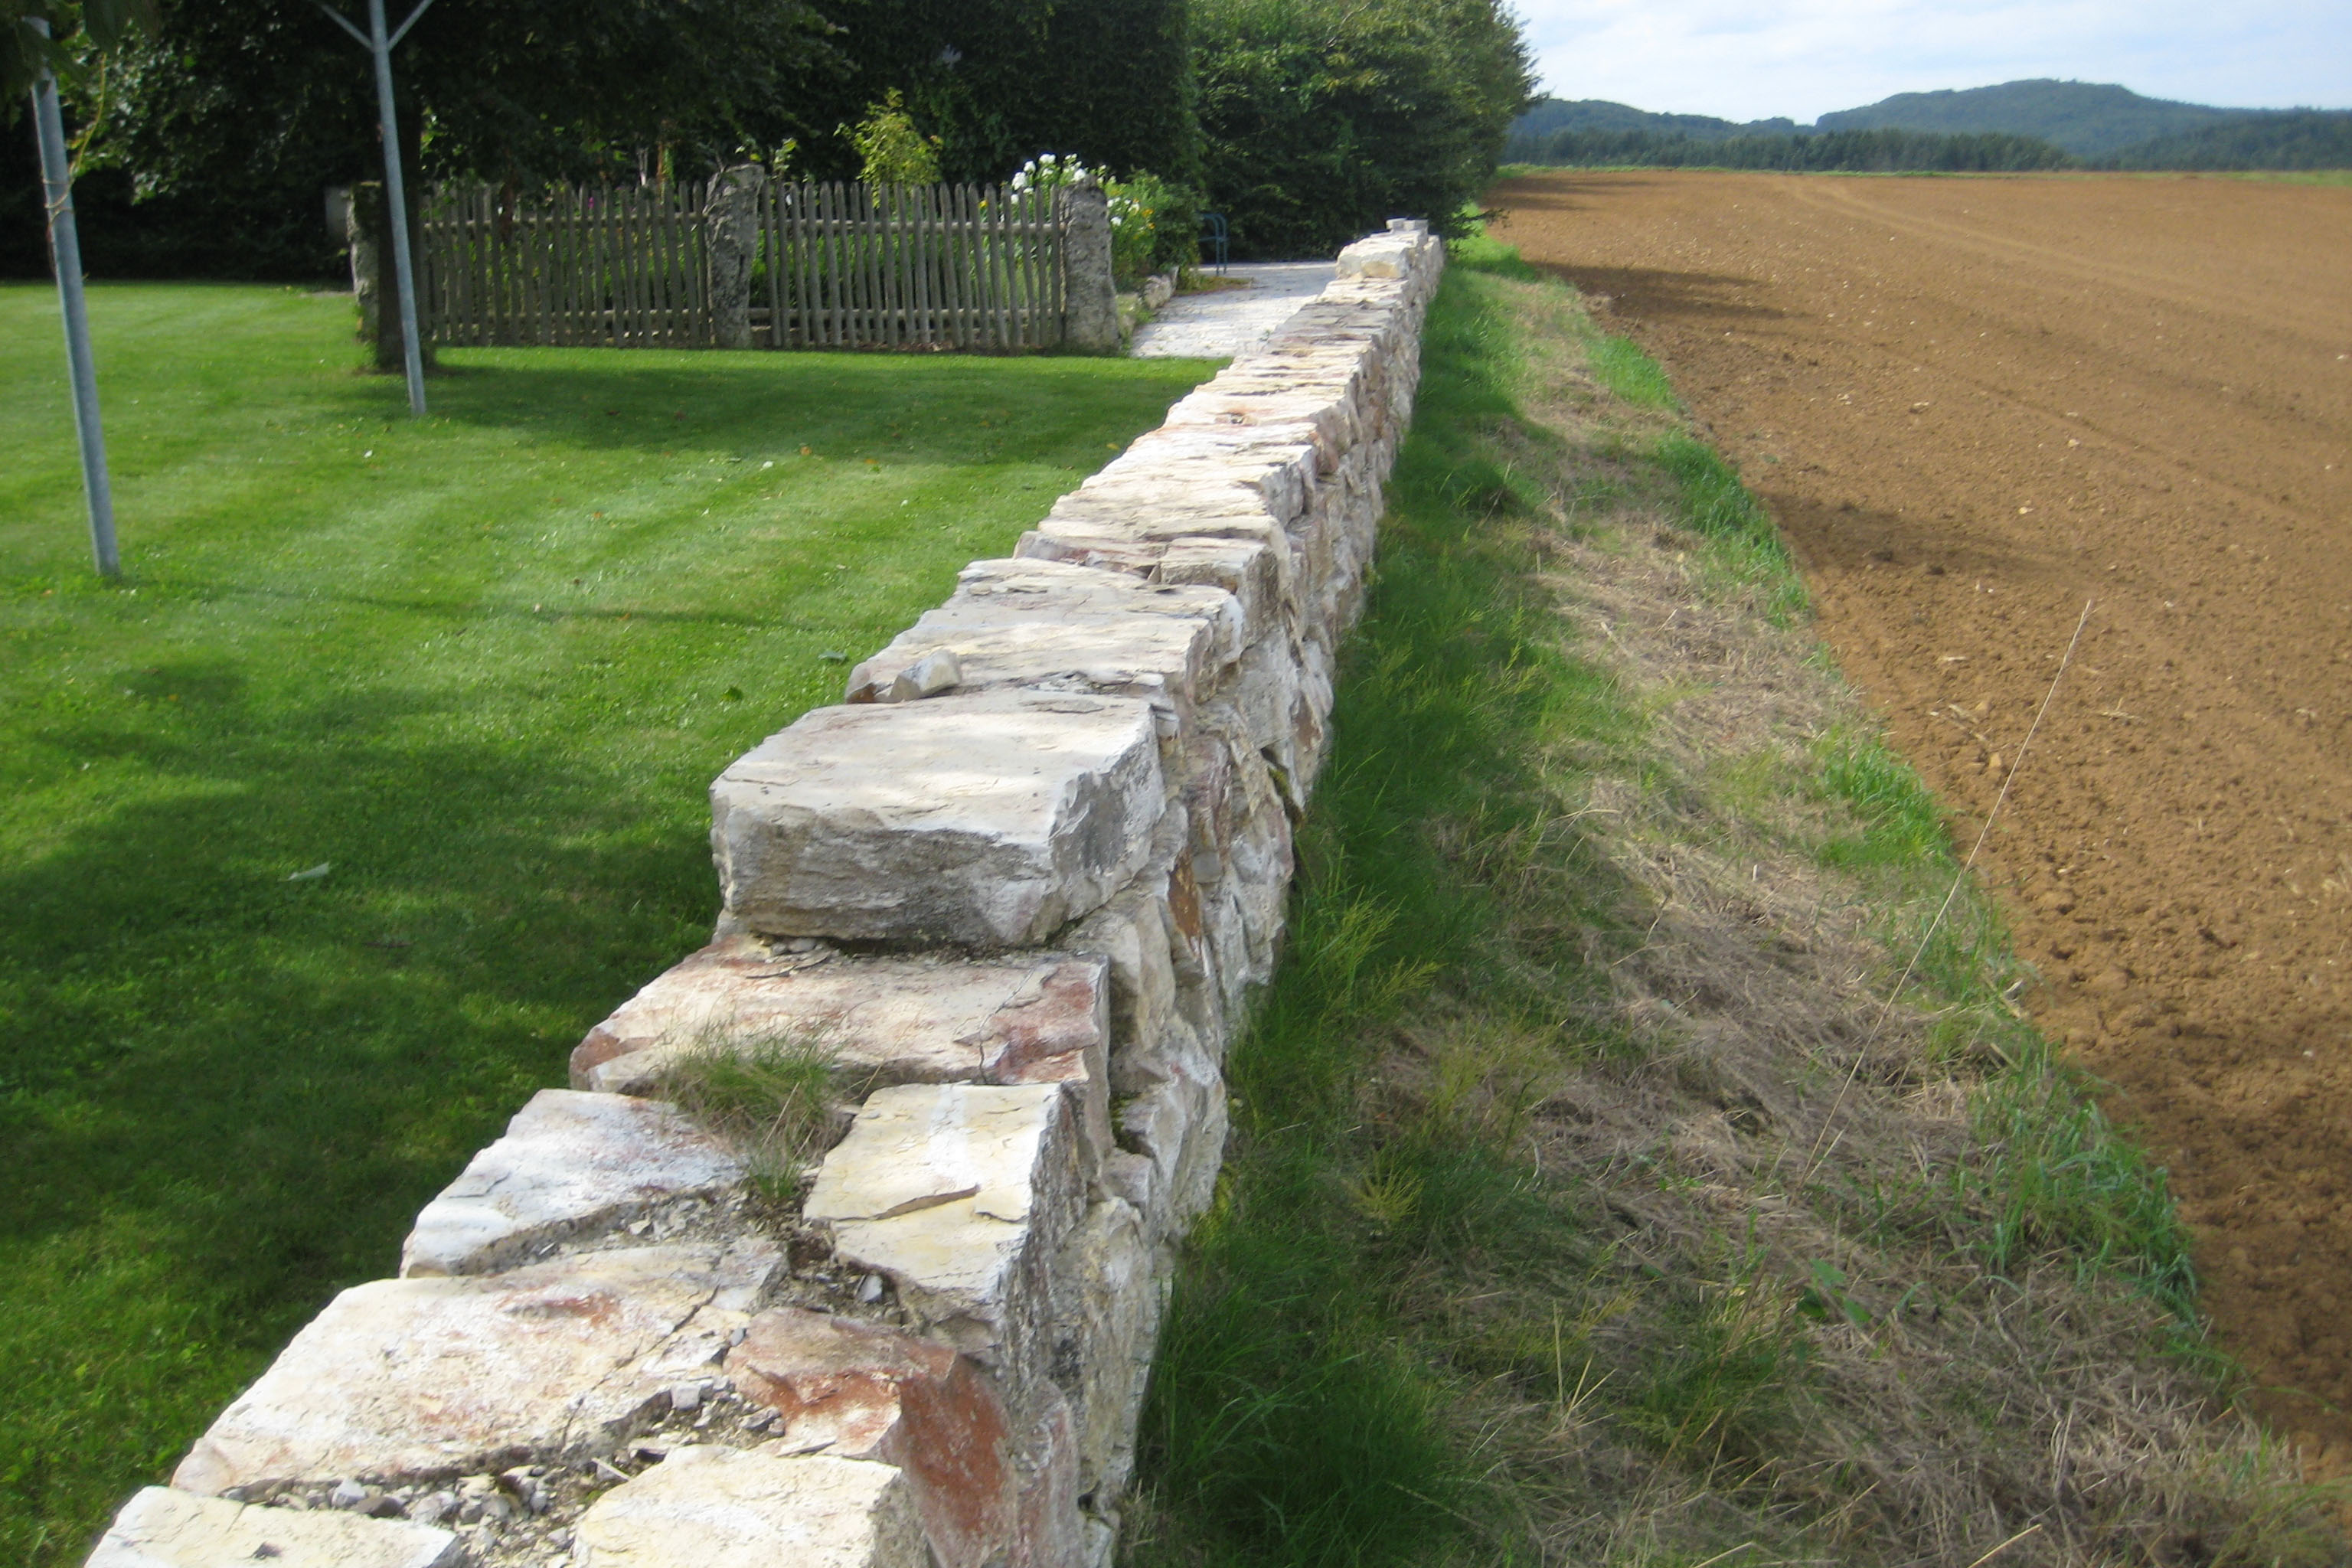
481, 669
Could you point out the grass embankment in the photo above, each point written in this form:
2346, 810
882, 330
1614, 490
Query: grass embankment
1587, 1203
481, 669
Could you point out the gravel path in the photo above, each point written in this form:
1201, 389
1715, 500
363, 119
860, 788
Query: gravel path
1229, 321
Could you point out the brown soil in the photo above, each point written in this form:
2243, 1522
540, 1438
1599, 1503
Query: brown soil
1974, 405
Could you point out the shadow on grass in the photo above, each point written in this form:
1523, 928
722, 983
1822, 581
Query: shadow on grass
897, 409
225, 1092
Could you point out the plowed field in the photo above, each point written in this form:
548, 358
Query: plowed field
1974, 405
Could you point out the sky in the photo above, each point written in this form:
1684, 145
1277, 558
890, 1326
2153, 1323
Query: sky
1752, 59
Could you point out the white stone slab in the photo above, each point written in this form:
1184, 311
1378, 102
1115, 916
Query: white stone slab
961, 1194
413, 1379
164, 1528
987, 820
1033, 623
569, 1163
1033, 1018
714, 1507
1250, 558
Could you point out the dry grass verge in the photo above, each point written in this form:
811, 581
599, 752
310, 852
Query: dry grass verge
1593, 1198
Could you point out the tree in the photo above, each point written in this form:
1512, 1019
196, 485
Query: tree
73, 27
998, 81
226, 124
1321, 118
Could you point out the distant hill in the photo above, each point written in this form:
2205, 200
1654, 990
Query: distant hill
2102, 125
2295, 140
2090, 119
1552, 115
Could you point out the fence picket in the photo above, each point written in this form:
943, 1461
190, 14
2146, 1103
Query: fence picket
961, 266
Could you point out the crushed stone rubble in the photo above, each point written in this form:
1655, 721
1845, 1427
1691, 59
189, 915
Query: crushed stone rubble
1018, 888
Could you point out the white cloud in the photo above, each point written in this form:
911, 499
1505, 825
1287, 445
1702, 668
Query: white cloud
1803, 57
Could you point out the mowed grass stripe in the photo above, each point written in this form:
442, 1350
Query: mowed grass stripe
482, 668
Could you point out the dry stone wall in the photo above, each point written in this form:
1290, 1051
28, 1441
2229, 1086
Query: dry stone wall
1020, 886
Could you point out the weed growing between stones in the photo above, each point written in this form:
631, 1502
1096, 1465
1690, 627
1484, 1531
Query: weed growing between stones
1589, 1199
780, 1104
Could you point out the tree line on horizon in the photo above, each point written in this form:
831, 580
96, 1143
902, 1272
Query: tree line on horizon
1841, 152
209, 141
2037, 124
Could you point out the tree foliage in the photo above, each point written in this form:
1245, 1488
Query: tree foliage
890, 150
1849, 151
999, 81
228, 123
228, 119
1321, 118
2310, 138
59, 34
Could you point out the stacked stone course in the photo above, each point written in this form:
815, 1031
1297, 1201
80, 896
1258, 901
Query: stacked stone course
1020, 885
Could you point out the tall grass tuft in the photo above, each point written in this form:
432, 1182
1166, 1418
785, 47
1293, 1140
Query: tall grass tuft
778, 1104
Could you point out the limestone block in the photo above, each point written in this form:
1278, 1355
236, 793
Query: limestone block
1035, 622
1107, 1315
860, 1391
987, 820
961, 1194
1051, 1532
1280, 479
1271, 702
1034, 1018
161, 1528
1178, 1124
1131, 934
1326, 417
569, 1163
1260, 858
415, 1379
709, 1506
1248, 555
1364, 259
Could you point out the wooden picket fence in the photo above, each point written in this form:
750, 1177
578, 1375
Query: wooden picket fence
970, 267
625, 267
937, 267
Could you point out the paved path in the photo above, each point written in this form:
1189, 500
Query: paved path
1229, 321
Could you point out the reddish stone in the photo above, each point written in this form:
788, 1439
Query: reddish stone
863, 1391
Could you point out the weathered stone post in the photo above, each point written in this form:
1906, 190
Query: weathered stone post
732, 215
1090, 317
378, 303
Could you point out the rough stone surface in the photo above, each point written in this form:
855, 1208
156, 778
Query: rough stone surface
569, 1163
713, 1507
422, 1379
1107, 1315
961, 1194
1031, 623
923, 1018
860, 1391
985, 820
1051, 1532
162, 1529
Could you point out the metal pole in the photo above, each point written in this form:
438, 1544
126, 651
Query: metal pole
65, 249
396, 197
